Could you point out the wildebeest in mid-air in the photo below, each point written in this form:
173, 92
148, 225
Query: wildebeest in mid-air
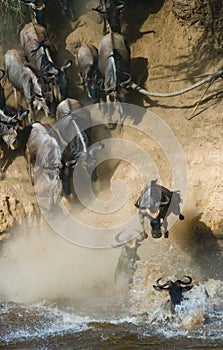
155, 203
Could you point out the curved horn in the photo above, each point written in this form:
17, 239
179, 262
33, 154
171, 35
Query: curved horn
96, 148
118, 240
71, 162
126, 82
66, 65
80, 135
210, 77
186, 282
167, 200
105, 90
161, 286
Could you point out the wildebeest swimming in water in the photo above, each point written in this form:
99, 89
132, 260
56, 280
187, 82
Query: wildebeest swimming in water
175, 290
156, 203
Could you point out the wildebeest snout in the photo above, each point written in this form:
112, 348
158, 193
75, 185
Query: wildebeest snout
156, 228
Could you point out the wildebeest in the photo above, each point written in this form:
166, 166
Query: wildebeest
23, 79
126, 266
88, 66
44, 150
11, 132
10, 127
175, 290
75, 129
111, 11
35, 43
114, 65
38, 10
3, 106
156, 203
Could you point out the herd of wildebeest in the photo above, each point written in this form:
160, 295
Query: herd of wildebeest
105, 76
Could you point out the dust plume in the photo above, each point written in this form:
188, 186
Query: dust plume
39, 264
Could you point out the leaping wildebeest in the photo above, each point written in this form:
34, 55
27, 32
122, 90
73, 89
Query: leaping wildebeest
127, 261
24, 80
175, 289
156, 203
35, 43
114, 65
75, 129
87, 57
111, 11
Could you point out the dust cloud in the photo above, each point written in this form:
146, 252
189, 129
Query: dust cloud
41, 265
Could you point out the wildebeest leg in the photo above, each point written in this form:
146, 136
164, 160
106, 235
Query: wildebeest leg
143, 234
30, 171
165, 231
2, 167
105, 25
15, 97
109, 112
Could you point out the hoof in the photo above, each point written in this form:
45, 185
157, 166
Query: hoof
166, 234
181, 217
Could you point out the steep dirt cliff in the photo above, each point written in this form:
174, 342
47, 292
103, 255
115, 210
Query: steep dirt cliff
168, 53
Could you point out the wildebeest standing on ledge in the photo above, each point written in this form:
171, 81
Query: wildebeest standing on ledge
87, 57
156, 203
114, 65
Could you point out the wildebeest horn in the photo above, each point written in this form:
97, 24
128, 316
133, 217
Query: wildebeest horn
161, 286
119, 241
126, 82
186, 282
167, 200
105, 90
71, 162
96, 148
66, 65
2, 73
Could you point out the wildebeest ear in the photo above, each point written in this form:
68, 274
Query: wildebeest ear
66, 65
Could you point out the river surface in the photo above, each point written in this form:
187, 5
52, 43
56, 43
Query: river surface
61, 324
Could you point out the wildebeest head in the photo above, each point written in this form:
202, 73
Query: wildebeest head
91, 84
175, 289
87, 157
65, 176
39, 10
58, 79
152, 198
132, 244
13, 137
